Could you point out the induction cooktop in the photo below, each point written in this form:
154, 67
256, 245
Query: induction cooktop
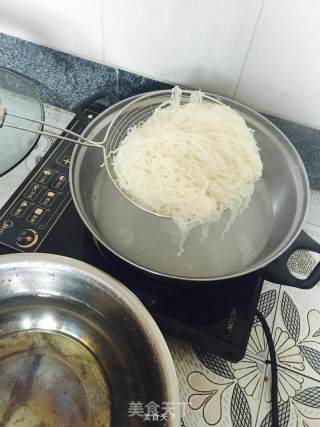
41, 217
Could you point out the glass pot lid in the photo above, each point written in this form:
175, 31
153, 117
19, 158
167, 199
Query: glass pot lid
20, 98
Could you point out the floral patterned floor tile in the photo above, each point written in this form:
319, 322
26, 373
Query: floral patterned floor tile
218, 393
296, 331
223, 394
297, 408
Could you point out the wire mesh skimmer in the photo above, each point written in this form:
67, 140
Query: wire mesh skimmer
133, 114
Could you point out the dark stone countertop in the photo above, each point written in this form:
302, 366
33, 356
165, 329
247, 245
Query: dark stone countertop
64, 80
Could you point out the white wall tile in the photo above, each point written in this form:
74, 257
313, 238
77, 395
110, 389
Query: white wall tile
198, 43
282, 72
73, 26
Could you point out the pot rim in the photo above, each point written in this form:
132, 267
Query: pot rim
276, 253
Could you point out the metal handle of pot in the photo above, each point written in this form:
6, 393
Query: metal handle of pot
278, 270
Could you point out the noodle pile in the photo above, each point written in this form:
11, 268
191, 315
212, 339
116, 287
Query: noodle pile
190, 162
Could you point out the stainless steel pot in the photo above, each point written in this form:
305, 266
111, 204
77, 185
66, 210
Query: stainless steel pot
265, 232
76, 347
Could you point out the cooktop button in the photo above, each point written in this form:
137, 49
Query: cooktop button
60, 182
36, 215
49, 198
5, 225
64, 160
46, 176
20, 210
27, 238
33, 192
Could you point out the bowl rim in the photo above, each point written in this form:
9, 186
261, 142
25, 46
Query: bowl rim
103, 280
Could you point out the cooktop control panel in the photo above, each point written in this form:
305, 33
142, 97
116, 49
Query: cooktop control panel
29, 215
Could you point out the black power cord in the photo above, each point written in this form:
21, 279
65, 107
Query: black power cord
274, 370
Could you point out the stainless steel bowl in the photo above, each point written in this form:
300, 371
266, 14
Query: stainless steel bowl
76, 347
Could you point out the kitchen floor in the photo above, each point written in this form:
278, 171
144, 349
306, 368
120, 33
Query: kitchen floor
220, 393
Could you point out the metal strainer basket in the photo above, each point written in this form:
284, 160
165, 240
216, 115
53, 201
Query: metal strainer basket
134, 114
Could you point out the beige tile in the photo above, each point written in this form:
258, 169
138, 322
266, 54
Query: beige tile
197, 44
281, 75
73, 26
296, 331
298, 407
218, 392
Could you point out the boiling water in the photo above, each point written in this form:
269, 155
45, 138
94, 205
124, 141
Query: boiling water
153, 242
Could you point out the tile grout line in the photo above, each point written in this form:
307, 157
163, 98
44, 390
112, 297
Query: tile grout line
261, 395
276, 310
102, 32
249, 48
256, 358
298, 373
